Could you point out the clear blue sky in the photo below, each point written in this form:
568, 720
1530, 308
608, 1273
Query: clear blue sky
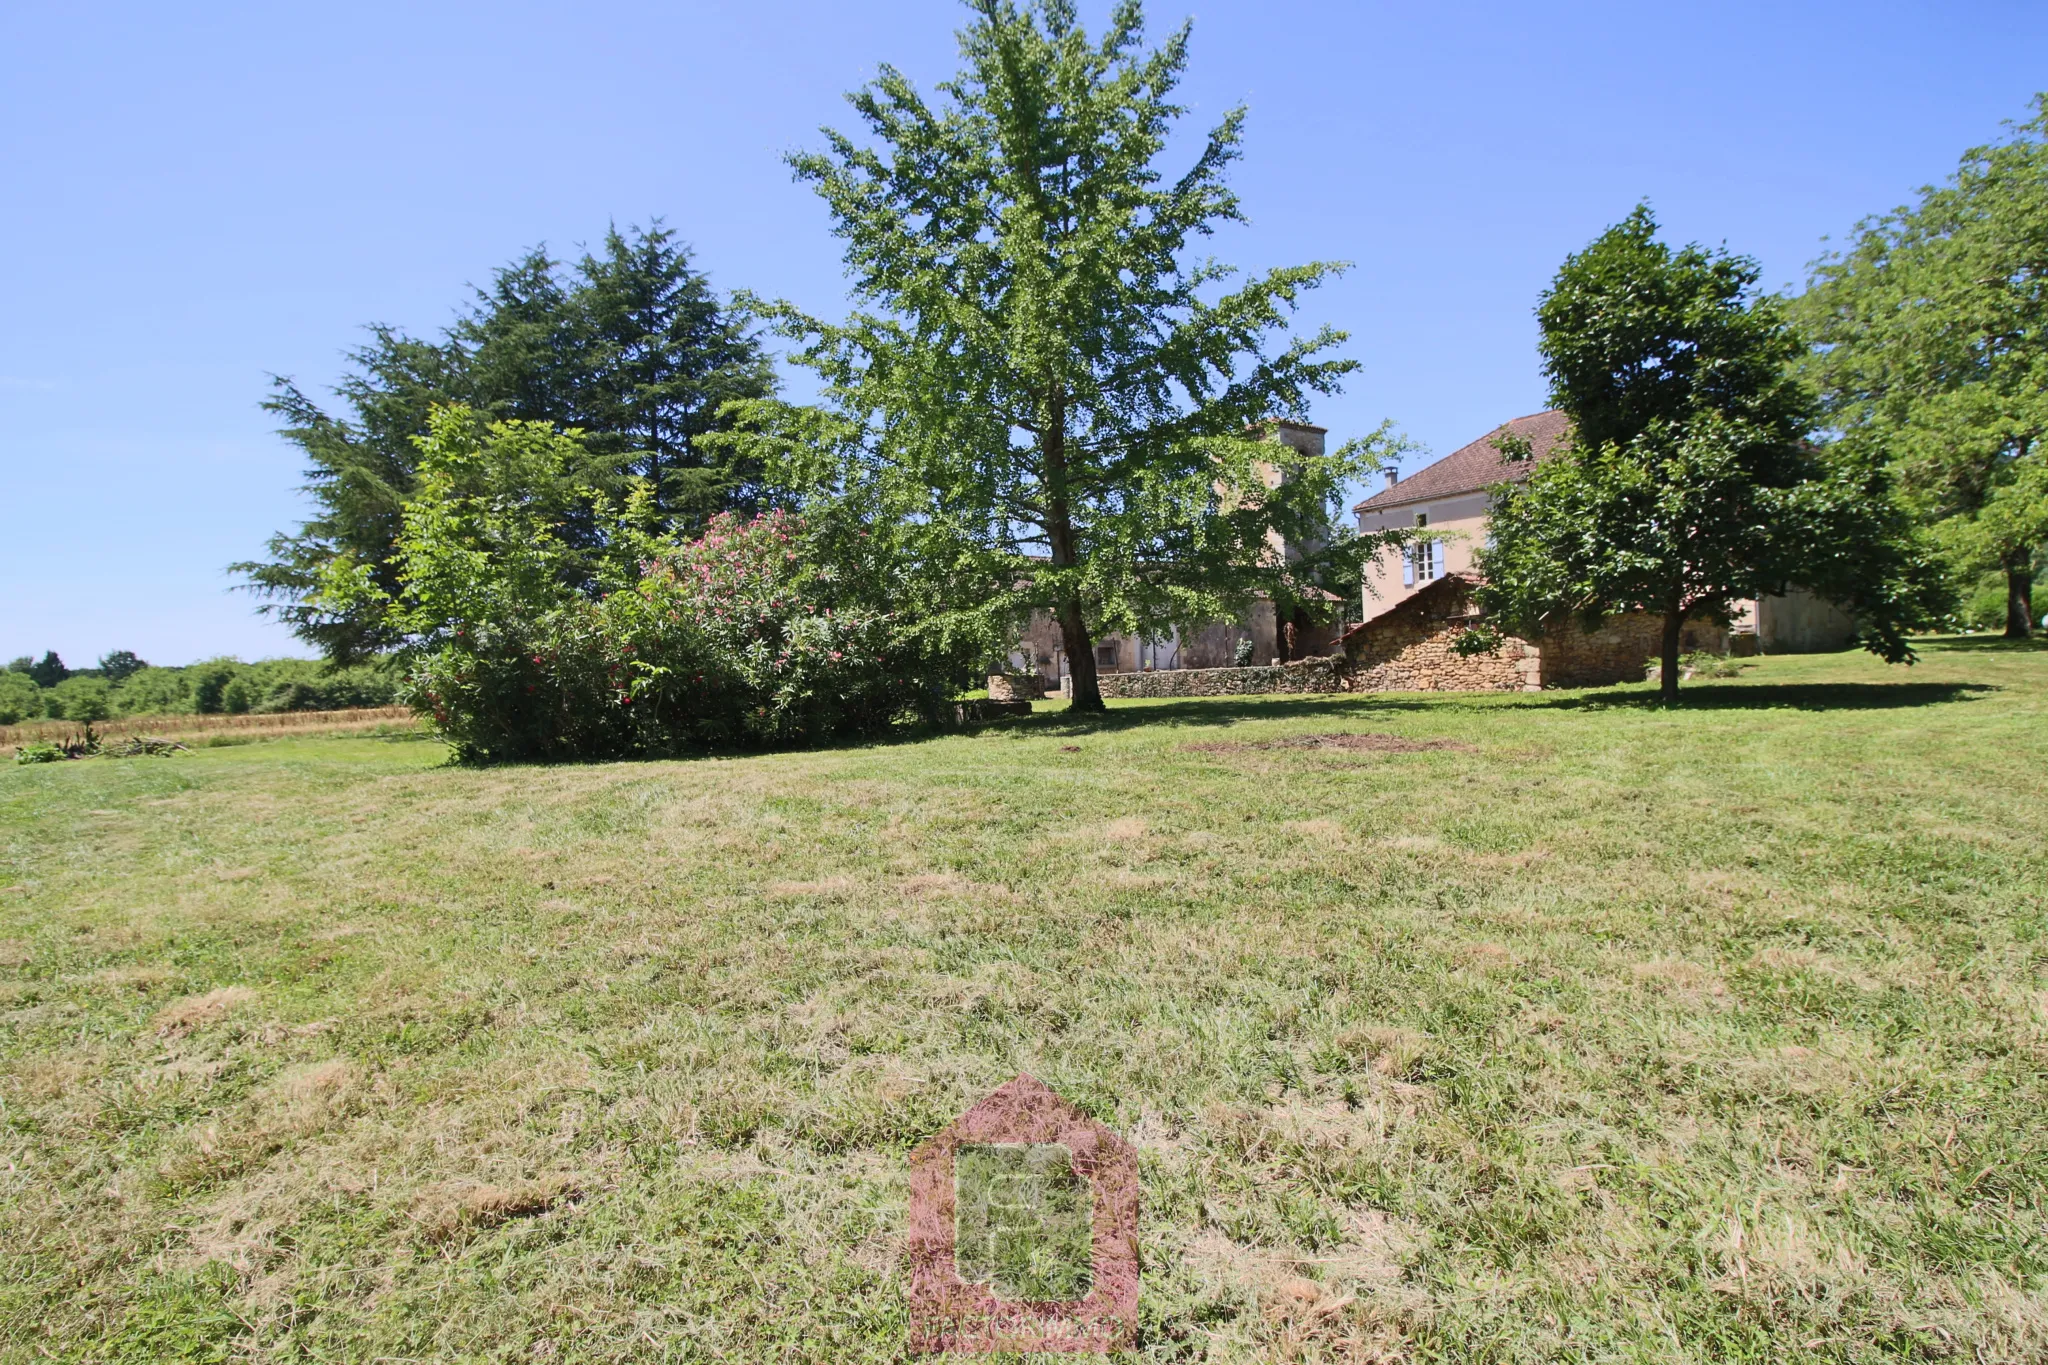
199, 196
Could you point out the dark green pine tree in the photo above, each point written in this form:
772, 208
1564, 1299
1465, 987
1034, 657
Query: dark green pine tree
655, 356
632, 345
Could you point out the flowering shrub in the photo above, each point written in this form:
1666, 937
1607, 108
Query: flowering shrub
529, 645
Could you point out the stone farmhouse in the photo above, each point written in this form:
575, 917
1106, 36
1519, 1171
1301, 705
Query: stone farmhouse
1402, 630
1450, 497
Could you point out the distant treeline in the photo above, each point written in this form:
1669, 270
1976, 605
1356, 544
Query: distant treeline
124, 685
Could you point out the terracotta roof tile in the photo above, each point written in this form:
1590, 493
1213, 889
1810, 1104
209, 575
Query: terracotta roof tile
1473, 467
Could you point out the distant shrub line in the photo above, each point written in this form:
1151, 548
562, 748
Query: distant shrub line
211, 687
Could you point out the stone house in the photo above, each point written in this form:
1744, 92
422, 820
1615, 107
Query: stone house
1413, 647
1416, 603
1449, 497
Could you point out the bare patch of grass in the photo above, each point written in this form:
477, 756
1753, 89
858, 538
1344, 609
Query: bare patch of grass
1341, 742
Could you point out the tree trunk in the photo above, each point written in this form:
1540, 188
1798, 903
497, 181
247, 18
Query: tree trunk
1080, 657
1059, 529
2019, 599
1667, 666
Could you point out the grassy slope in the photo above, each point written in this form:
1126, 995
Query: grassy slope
1616, 1035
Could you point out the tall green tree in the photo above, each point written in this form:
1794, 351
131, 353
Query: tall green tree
629, 344
1689, 481
120, 665
1039, 372
1932, 332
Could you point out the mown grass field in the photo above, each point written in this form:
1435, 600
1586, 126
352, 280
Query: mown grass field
1595, 1033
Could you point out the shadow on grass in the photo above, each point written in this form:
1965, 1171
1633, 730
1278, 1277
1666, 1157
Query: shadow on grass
1981, 644
1708, 696
1213, 712
1694, 696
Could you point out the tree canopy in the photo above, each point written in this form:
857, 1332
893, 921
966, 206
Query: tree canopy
1932, 355
1689, 480
630, 345
1039, 373
117, 666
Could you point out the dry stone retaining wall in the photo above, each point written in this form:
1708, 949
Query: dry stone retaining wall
1412, 652
1303, 675
1413, 648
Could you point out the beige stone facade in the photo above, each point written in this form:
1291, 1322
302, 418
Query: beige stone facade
1448, 502
1414, 648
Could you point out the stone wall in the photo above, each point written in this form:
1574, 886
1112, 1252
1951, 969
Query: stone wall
1801, 623
1413, 648
1303, 675
1015, 686
1619, 650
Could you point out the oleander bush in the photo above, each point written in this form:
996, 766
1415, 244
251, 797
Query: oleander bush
545, 622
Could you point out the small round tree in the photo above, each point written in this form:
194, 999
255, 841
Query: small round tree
88, 701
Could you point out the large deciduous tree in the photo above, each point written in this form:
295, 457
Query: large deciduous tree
1039, 373
630, 345
1689, 481
1933, 355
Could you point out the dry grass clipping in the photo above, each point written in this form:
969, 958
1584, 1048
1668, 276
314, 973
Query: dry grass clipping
181, 1017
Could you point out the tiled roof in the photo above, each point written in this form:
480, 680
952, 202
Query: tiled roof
1473, 467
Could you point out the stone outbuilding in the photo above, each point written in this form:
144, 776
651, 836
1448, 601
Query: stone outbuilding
1413, 647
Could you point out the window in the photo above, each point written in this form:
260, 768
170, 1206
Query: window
1105, 656
1423, 562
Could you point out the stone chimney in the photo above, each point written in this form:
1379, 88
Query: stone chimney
1393, 476
1303, 437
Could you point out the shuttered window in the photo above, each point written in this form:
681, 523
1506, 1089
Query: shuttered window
1422, 562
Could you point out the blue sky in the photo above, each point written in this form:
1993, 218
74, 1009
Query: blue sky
200, 196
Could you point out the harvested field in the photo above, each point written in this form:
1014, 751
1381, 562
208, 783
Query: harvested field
188, 728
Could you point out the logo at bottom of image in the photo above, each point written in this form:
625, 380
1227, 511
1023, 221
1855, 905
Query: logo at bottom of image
1023, 1230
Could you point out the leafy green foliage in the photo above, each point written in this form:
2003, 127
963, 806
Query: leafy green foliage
1039, 374
1932, 332
39, 753
86, 700
48, 671
1689, 482
631, 346
20, 698
118, 666
1476, 641
152, 691
528, 644
214, 685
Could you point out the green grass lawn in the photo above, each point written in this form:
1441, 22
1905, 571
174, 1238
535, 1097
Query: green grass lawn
1594, 1033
